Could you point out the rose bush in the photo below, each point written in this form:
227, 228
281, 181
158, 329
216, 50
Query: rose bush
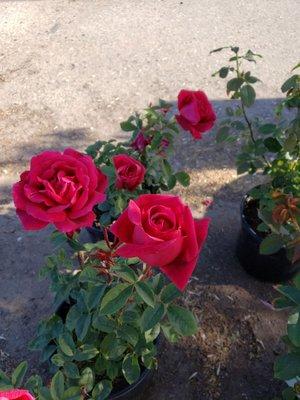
16, 394
161, 231
59, 188
196, 113
129, 172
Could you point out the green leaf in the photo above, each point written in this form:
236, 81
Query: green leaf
171, 335
71, 370
250, 79
66, 344
234, 84
57, 386
131, 368
166, 168
151, 316
33, 383
103, 323
293, 330
182, 320
129, 333
223, 134
82, 326
287, 366
44, 394
266, 129
102, 390
112, 369
126, 273
271, 244
169, 293
94, 296
112, 347
86, 352
223, 72
288, 394
127, 126
73, 393
183, 178
146, 293
18, 374
4, 378
87, 379
272, 144
58, 360
290, 83
171, 182
290, 292
116, 298
247, 95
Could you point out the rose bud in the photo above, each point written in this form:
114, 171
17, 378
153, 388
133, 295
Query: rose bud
140, 142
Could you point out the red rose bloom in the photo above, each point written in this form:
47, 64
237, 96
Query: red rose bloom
16, 394
161, 231
59, 188
195, 112
140, 142
129, 171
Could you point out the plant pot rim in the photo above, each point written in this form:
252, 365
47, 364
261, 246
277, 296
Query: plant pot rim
126, 391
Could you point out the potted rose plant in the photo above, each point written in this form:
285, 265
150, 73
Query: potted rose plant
141, 164
266, 246
111, 298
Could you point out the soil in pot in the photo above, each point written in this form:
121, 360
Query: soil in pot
273, 268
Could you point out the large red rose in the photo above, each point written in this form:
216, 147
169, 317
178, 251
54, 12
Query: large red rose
161, 231
129, 171
59, 188
16, 394
195, 112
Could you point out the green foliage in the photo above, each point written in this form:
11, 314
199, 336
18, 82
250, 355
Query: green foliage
272, 148
287, 366
107, 329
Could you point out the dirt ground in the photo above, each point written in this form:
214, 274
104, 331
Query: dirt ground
70, 71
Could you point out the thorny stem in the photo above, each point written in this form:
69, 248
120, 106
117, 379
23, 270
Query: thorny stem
246, 116
80, 256
106, 238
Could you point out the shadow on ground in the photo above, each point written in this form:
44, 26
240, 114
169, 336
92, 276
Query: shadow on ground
232, 355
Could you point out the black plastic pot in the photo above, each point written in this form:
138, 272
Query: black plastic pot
135, 391
273, 268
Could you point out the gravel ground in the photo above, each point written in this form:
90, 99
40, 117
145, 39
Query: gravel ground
70, 71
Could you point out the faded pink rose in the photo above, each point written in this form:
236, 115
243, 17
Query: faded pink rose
196, 113
59, 189
16, 394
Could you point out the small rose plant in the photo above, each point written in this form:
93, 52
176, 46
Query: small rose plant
270, 148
